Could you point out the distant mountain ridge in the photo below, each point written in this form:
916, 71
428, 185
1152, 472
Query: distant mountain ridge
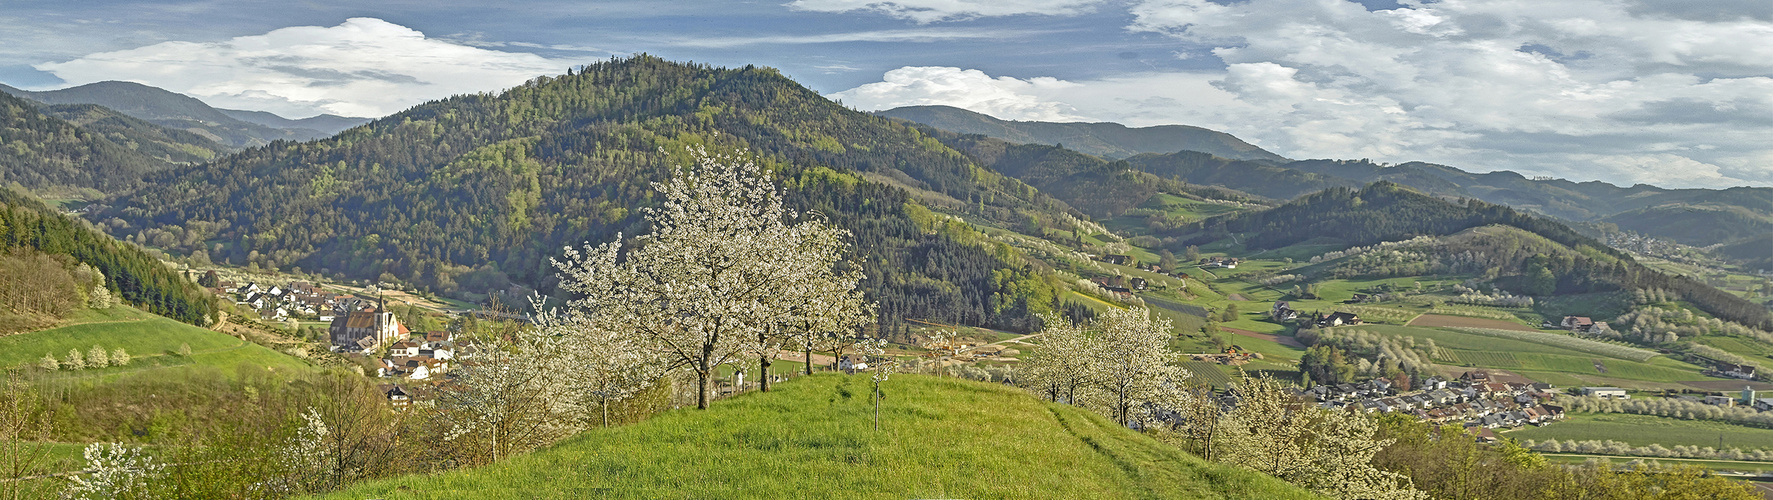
236, 129
1108, 140
1699, 217
327, 124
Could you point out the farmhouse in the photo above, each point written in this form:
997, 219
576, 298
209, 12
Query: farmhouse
1224, 262
1138, 283
1745, 372
1282, 311
1577, 323
1119, 260
1340, 318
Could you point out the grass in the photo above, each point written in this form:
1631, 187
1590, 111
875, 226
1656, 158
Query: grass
1643, 430
811, 438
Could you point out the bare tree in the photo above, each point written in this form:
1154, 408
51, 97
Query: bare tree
509, 394
24, 435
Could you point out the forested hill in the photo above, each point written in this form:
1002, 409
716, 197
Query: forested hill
28, 225
472, 195
1382, 211
157, 142
1097, 187
1386, 211
1109, 140
48, 154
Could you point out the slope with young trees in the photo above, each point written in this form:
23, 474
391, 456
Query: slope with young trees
29, 228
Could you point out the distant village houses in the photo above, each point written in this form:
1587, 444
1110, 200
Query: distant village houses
1222, 262
1473, 400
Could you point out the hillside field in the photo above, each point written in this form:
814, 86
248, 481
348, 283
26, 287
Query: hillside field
152, 341
1643, 430
811, 438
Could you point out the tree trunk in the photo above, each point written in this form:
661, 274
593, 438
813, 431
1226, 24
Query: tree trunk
702, 386
763, 372
809, 359
606, 414
877, 406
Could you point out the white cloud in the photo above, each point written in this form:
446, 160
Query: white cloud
1577, 88
927, 11
911, 35
363, 67
1003, 97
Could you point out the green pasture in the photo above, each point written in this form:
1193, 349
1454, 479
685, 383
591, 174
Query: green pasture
1644, 430
814, 437
151, 341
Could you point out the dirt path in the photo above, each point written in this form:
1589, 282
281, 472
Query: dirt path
1278, 339
1237, 297
818, 359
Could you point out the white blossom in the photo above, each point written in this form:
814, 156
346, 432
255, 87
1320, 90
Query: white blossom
113, 471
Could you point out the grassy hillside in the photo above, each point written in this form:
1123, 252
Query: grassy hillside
152, 341
811, 438
1642, 430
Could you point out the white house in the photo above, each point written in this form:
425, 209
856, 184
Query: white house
852, 362
1605, 392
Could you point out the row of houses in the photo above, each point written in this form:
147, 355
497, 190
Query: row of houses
418, 357
278, 302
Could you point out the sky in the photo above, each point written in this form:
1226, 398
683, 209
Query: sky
1675, 93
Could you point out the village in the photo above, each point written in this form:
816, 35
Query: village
1474, 400
355, 326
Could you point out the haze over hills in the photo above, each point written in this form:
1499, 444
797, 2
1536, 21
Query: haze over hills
236, 129
1108, 140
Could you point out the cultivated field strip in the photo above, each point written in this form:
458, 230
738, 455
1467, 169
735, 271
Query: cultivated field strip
1567, 342
1484, 358
1207, 372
